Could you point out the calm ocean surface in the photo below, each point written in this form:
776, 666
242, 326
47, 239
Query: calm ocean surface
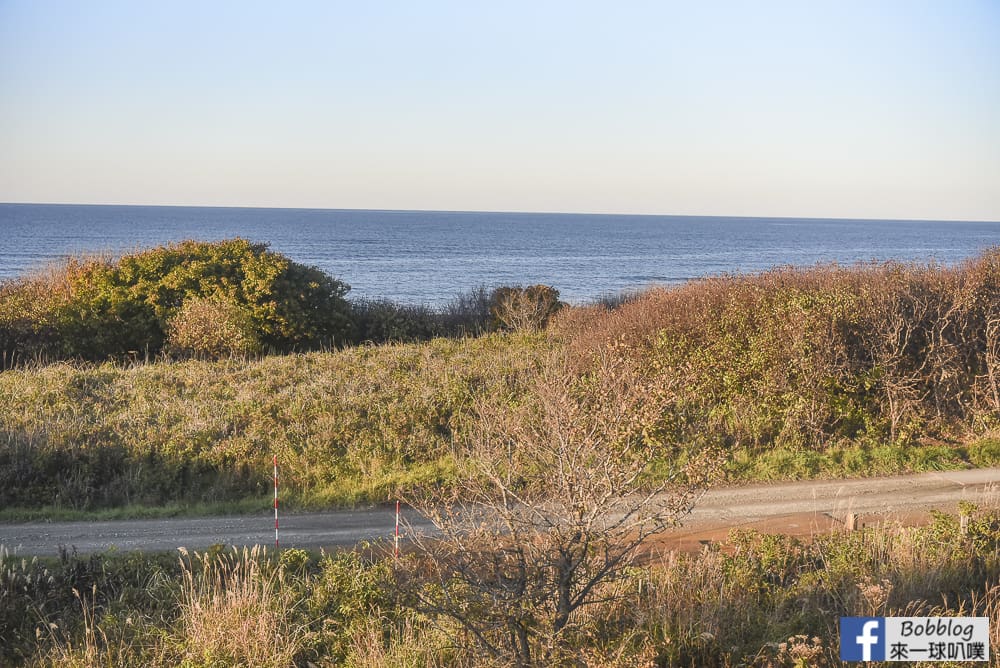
428, 257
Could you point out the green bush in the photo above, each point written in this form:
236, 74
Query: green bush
382, 321
97, 308
985, 452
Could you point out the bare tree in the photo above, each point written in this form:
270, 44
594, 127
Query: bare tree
556, 500
901, 309
524, 309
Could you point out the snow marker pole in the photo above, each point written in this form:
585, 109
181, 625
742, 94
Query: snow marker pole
396, 539
276, 547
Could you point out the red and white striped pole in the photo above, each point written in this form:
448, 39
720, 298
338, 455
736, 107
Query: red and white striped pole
276, 547
395, 541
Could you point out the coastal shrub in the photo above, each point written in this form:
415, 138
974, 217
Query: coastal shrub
523, 309
225, 298
800, 359
212, 328
95, 308
382, 320
470, 313
30, 328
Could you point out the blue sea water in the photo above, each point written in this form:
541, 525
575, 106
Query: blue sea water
428, 257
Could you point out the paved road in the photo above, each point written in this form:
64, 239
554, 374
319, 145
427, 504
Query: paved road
719, 509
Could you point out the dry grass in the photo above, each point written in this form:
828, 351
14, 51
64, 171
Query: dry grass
237, 609
94, 648
762, 600
234, 609
411, 645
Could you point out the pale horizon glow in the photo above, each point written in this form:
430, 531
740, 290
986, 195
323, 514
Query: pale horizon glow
843, 109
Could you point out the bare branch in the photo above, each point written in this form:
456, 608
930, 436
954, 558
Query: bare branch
555, 500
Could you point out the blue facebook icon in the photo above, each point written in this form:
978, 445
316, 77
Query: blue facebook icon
862, 638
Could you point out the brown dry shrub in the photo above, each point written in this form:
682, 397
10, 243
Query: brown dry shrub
800, 357
212, 328
524, 309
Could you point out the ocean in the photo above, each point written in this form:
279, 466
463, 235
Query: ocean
427, 257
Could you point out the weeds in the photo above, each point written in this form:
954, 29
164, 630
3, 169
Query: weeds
237, 608
753, 600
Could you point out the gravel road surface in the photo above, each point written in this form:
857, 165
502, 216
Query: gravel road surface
820, 502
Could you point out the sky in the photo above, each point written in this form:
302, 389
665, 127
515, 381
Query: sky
848, 108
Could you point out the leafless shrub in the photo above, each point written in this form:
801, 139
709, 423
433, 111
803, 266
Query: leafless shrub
554, 503
524, 309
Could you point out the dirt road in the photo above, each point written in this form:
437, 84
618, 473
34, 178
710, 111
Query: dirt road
796, 507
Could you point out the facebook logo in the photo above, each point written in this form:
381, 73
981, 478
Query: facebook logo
862, 638
915, 639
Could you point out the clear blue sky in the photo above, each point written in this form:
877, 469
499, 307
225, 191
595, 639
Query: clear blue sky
803, 108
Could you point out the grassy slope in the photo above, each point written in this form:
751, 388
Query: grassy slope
347, 426
827, 371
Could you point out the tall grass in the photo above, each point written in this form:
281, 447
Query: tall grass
347, 426
238, 608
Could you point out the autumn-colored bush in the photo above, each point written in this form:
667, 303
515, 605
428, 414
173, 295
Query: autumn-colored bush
808, 358
31, 326
213, 328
